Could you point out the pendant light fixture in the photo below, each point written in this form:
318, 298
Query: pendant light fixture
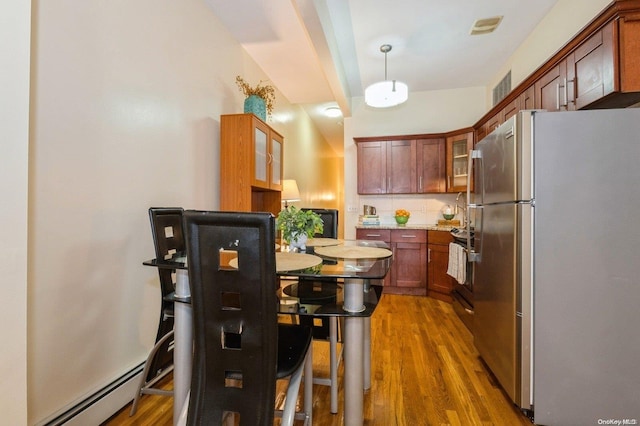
387, 93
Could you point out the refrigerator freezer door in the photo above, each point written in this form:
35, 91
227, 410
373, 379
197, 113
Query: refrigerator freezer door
587, 286
495, 300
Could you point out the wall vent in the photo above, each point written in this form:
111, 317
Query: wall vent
502, 89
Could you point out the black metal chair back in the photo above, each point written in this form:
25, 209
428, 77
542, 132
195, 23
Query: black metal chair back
232, 275
330, 219
168, 239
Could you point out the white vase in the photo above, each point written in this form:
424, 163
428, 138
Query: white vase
299, 243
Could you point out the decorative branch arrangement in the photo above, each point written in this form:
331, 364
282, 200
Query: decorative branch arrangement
263, 91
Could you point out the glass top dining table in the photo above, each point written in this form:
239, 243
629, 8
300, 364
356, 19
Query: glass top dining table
356, 263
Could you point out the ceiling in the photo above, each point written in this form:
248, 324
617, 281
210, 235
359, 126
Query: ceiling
321, 53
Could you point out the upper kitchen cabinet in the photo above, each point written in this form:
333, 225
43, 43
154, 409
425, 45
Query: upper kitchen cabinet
550, 92
598, 68
583, 77
458, 147
401, 165
250, 164
386, 166
431, 165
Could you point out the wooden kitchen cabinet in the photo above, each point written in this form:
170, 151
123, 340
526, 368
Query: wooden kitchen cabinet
378, 235
457, 149
404, 165
408, 274
431, 165
549, 89
250, 164
372, 167
401, 167
440, 283
387, 167
409, 269
598, 68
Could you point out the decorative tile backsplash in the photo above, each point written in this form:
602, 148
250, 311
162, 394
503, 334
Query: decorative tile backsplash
424, 208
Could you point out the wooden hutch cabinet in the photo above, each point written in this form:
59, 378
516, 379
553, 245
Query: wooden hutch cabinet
250, 164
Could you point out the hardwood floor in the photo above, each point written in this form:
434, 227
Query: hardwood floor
425, 371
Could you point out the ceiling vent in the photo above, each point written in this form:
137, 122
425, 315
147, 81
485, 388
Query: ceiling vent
502, 89
485, 26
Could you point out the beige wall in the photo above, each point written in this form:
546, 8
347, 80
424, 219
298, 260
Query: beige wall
15, 27
316, 169
125, 115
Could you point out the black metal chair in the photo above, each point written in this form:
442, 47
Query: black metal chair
239, 347
168, 239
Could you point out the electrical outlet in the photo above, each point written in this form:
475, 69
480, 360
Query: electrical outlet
352, 209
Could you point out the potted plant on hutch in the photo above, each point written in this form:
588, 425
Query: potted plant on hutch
260, 99
298, 225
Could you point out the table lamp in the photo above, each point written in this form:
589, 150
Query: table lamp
290, 192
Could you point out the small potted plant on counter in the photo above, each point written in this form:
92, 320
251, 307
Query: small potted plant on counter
298, 225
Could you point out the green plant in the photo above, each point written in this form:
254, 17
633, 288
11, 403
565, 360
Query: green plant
294, 222
265, 92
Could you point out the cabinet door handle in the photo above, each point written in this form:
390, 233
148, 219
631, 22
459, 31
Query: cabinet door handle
573, 83
558, 96
270, 158
408, 236
420, 184
428, 255
373, 235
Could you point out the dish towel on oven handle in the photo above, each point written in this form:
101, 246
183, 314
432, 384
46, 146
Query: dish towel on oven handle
457, 267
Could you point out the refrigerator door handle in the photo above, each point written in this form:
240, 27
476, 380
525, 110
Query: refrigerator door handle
475, 155
472, 254
475, 254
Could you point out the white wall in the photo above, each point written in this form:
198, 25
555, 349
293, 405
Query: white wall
125, 115
424, 112
15, 28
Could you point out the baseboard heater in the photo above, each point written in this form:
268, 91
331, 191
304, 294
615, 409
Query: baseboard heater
102, 404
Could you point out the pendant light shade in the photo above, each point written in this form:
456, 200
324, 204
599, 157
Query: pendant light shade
387, 93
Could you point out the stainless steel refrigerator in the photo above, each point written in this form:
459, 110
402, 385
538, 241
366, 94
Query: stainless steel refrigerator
556, 212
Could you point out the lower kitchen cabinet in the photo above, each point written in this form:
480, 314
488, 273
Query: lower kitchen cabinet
378, 235
408, 274
440, 283
420, 261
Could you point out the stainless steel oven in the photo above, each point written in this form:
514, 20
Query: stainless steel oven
463, 293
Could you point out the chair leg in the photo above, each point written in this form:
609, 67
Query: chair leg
333, 362
144, 385
308, 385
289, 411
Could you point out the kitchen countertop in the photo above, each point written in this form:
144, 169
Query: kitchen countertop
434, 227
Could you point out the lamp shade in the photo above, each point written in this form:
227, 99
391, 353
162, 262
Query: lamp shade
290, 191
386, 94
